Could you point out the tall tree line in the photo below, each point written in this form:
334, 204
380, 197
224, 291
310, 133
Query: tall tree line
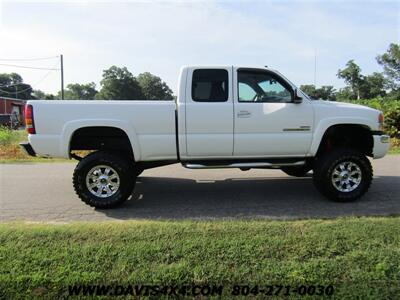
118, 83
359, 86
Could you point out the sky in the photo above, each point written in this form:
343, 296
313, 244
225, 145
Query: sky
161, 36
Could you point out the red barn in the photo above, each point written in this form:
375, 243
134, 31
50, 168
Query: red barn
9, 106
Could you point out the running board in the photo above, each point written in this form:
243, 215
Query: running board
244, 165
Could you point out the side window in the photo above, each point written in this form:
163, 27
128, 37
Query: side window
256, 86
246, 92
210, 85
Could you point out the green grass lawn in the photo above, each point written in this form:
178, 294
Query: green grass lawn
360, 257
11, 152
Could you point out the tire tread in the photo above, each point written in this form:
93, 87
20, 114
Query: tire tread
322, 171
102, 157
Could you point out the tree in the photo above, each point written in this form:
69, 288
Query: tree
352, 76
391, 65
372, 86
153, 87
310, 90
345, 94
12, 85
119, 84
10, 78
325, 92
38, 94
79, 91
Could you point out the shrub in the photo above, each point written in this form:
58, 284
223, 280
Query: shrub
390, 109
6, 136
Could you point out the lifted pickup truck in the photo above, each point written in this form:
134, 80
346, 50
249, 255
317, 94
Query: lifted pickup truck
224, 117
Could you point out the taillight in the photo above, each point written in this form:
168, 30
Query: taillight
29, 122
381, 118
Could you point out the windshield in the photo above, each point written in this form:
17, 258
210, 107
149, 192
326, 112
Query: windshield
305, 94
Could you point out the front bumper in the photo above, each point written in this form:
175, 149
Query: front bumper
28, 148
381, 145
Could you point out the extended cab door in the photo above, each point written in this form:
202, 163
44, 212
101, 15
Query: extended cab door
209, 112
267, 121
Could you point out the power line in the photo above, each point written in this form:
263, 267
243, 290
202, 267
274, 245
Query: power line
30, 88
28, 67
27, 89
16, 91
28, 59
36, 68
8, 85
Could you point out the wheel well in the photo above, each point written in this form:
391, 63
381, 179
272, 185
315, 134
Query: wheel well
101, 138
347, 135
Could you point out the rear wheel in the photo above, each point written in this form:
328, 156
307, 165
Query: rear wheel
343, 175
104, 180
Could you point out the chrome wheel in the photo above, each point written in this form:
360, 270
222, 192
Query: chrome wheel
102, 181
346, 176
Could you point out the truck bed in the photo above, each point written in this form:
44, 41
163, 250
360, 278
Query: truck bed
150, 125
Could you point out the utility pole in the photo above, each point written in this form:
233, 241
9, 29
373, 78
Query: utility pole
62, 76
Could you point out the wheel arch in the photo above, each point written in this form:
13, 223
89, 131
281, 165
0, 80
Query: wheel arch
353, 134
70, 130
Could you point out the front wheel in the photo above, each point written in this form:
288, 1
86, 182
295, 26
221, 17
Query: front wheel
343, 175
104, 180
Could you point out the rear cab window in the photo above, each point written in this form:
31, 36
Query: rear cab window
210, 85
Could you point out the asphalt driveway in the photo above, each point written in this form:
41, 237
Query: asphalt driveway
43, 192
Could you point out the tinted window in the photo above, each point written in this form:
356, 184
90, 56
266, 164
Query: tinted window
210, 85
262, 87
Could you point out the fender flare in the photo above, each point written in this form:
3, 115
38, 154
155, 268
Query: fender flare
325, 124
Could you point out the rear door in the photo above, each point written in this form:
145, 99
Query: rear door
209, 112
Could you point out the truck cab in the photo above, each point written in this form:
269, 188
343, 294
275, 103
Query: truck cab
235, 112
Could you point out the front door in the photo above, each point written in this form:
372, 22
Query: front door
209, 113
267, 121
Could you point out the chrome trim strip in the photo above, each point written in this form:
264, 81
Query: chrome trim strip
301, 128
296, 129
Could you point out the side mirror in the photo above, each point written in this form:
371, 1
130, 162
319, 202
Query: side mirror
297, 97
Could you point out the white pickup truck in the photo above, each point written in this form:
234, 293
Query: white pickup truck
224, 117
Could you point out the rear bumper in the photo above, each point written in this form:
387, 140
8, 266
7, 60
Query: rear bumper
381, 145
28, 148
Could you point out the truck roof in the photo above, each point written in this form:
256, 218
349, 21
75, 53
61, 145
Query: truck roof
229, 66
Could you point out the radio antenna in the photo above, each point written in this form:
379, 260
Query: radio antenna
315, 67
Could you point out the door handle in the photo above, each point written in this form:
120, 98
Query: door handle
244, 114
